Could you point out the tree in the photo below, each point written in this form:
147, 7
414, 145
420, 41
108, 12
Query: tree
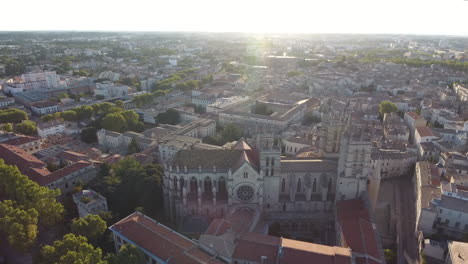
27, 127
88, 135
119, 104
133, 147
91, 226
129, 254
230, 133
114, 122
19, 225
8, 127
131, 118
84, 112
171, 116
71, 249
387, 107
310, 118
69, 115
261, 109
29, 195
390, 256
12, 115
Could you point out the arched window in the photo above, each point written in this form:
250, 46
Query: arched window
283, 185
268, 161
182, 183
208, 186
174, 181
193, 185
272, 173
272, 161
299, 185
222, 185
266, 172
314, 185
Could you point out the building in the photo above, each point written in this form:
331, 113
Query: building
424, 134
213, 182
392, 163
44, 107
457, 252
223, 103
356, 229
44, 80
46, 129
29, 144
296, 144
427, 188
413, 121
118, 142
89, 202
109, 90
6, 102
159, 243
199, 128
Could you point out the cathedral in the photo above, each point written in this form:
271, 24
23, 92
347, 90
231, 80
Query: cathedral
216, 183
213, 183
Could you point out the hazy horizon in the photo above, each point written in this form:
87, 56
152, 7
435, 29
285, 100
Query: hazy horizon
399, 17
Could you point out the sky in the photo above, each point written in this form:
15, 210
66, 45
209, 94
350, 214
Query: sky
441, 17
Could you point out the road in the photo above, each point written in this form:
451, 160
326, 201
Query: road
407, 251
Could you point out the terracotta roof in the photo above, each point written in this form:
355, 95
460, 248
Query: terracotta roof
414, 115
252, 246
72, 156
294, 251
218, 227
26, 163
424, 131
161, 241
58, 174
20, 140
359, 233
242, 145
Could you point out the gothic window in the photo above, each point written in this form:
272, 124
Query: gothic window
283, 185
175, 183
208, 186
245, 193
193, 185
222, 185
246, 175
284, 207
314, 186
266, 172
272, 162
182, 183
268, 161
299, 185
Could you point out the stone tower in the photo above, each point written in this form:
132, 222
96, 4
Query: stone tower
270, 166
355, 175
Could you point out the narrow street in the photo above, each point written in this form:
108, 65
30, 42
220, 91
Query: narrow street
407, 251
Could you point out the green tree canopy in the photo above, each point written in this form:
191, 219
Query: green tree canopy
129, 254
69, 115
29, 195
71, 249
91, 226
231, 133
12, 115
27, 127
88, 135
387, 107
19, 225
171, 116
133, 147
261, 109
8, 127
119, 104
114, 121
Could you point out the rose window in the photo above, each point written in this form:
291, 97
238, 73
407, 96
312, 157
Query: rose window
245, 193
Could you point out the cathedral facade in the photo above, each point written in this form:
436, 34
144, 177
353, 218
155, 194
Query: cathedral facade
214, 183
